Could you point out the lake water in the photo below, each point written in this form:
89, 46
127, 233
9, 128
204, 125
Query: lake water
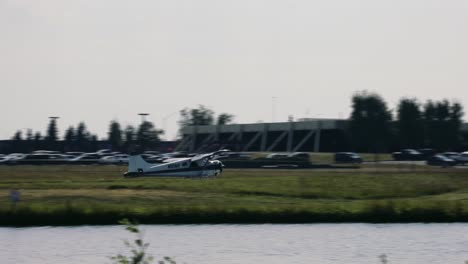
243, 244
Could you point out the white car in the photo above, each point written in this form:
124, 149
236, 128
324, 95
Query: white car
120, 158
463, 158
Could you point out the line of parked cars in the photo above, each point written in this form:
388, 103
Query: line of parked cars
39, 157
104, 156
432, 157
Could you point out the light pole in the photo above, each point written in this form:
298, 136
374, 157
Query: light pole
143, 117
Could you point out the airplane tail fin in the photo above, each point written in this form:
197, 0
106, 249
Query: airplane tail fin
136, 164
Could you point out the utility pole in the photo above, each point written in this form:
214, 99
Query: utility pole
143, 117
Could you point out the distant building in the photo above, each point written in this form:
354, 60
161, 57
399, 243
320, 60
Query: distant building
306, 135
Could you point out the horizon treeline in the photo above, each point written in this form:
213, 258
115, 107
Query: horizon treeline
373, 127
126, 139
433, 124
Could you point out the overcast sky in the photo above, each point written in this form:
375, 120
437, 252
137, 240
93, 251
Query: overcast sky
94, 61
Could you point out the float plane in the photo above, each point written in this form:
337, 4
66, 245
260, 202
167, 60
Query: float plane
202, 165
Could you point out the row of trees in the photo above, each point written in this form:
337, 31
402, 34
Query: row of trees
435, 124
145, 136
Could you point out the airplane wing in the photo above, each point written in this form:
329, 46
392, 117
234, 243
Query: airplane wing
208, 155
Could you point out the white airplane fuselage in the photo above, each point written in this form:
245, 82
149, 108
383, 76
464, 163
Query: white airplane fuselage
176, 167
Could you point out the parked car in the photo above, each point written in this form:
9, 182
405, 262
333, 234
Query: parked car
104, 152
41, 159
408, 154
463, 158
13, 158
87, 158
299, 155
427, 152
453, 155
277, 156
233, 155
347, 157
441, 160
3, 160
117, 159
74, 153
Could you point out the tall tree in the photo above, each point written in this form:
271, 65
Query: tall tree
115, 135
70, 134
129, 134
370, 122
129, 139
81, 134
442, 121
52, 131
196, 117
18, 143
455, 124
37, 136
410, 123
29, 135
224, 119
37, 143
148, 136
70, 138
18, 136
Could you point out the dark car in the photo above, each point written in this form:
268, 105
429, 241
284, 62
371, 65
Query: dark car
299, 155
441, 160
408, 154
347, 157
427, 152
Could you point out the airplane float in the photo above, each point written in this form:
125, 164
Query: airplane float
203, 165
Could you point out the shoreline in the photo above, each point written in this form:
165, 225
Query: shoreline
24, 219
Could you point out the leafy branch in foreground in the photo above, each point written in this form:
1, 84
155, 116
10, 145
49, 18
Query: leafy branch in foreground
138, 249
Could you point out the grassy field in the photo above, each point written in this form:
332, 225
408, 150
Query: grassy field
67, 195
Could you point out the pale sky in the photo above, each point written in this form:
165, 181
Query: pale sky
94, 61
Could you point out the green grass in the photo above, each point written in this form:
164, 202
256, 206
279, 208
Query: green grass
100, 195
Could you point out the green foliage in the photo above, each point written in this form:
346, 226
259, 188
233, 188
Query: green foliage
29, 135
138, 248
52, 131
115, 135
148, 136
37, 136
196, 117
70, 135
370, 122
18, 136
410, 123
224, 119
82, 134
442, 120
